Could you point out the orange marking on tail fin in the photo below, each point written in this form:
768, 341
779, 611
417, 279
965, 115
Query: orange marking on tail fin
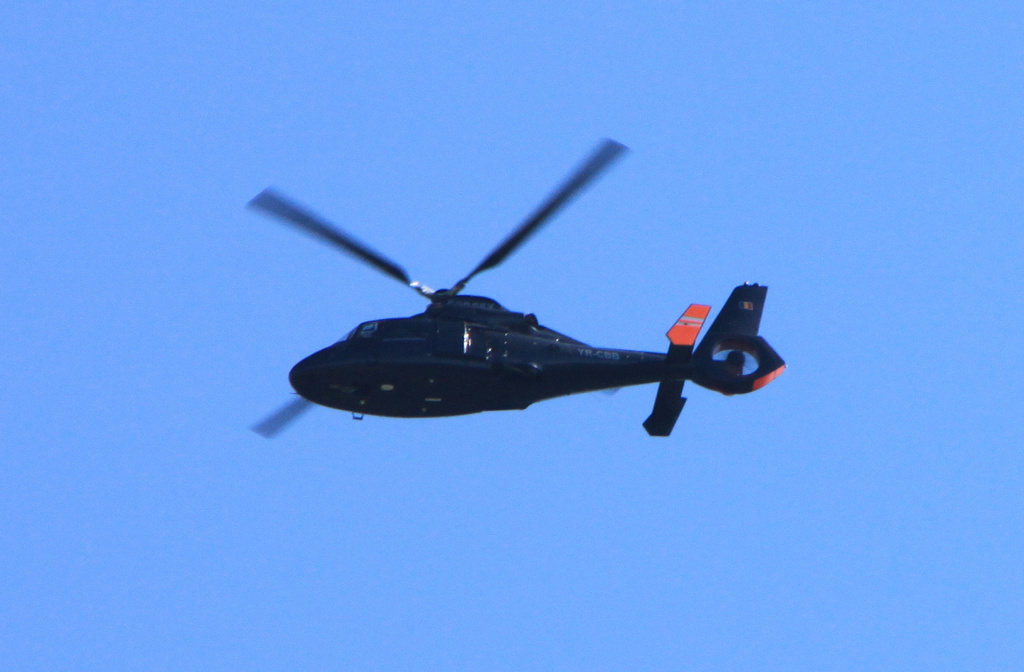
697, 311
686, 328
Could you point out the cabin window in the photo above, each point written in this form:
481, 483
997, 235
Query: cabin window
403, 329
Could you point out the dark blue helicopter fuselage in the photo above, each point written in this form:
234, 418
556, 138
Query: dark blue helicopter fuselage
463, 355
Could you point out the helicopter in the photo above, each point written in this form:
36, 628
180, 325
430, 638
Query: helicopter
467, 354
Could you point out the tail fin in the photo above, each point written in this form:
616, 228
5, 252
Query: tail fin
669, 402
741, 314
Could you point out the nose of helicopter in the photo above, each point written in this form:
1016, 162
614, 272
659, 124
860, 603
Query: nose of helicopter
304, 375
327, 377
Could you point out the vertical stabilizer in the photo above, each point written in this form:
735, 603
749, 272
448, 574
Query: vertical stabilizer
669, 402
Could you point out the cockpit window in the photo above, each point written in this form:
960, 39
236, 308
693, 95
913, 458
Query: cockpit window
364, 330
391, 329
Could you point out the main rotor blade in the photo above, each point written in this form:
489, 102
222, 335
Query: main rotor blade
272, 203
603, 156
272, 425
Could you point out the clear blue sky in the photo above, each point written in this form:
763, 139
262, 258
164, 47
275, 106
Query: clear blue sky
863, 512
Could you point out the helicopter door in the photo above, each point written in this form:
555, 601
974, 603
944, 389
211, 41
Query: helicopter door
485, 344
451, 338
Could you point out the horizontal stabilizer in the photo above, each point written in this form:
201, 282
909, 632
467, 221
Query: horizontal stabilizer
686, 328
684, 332
667, 407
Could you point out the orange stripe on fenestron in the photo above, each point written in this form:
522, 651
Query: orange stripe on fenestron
687, 327
768, 377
